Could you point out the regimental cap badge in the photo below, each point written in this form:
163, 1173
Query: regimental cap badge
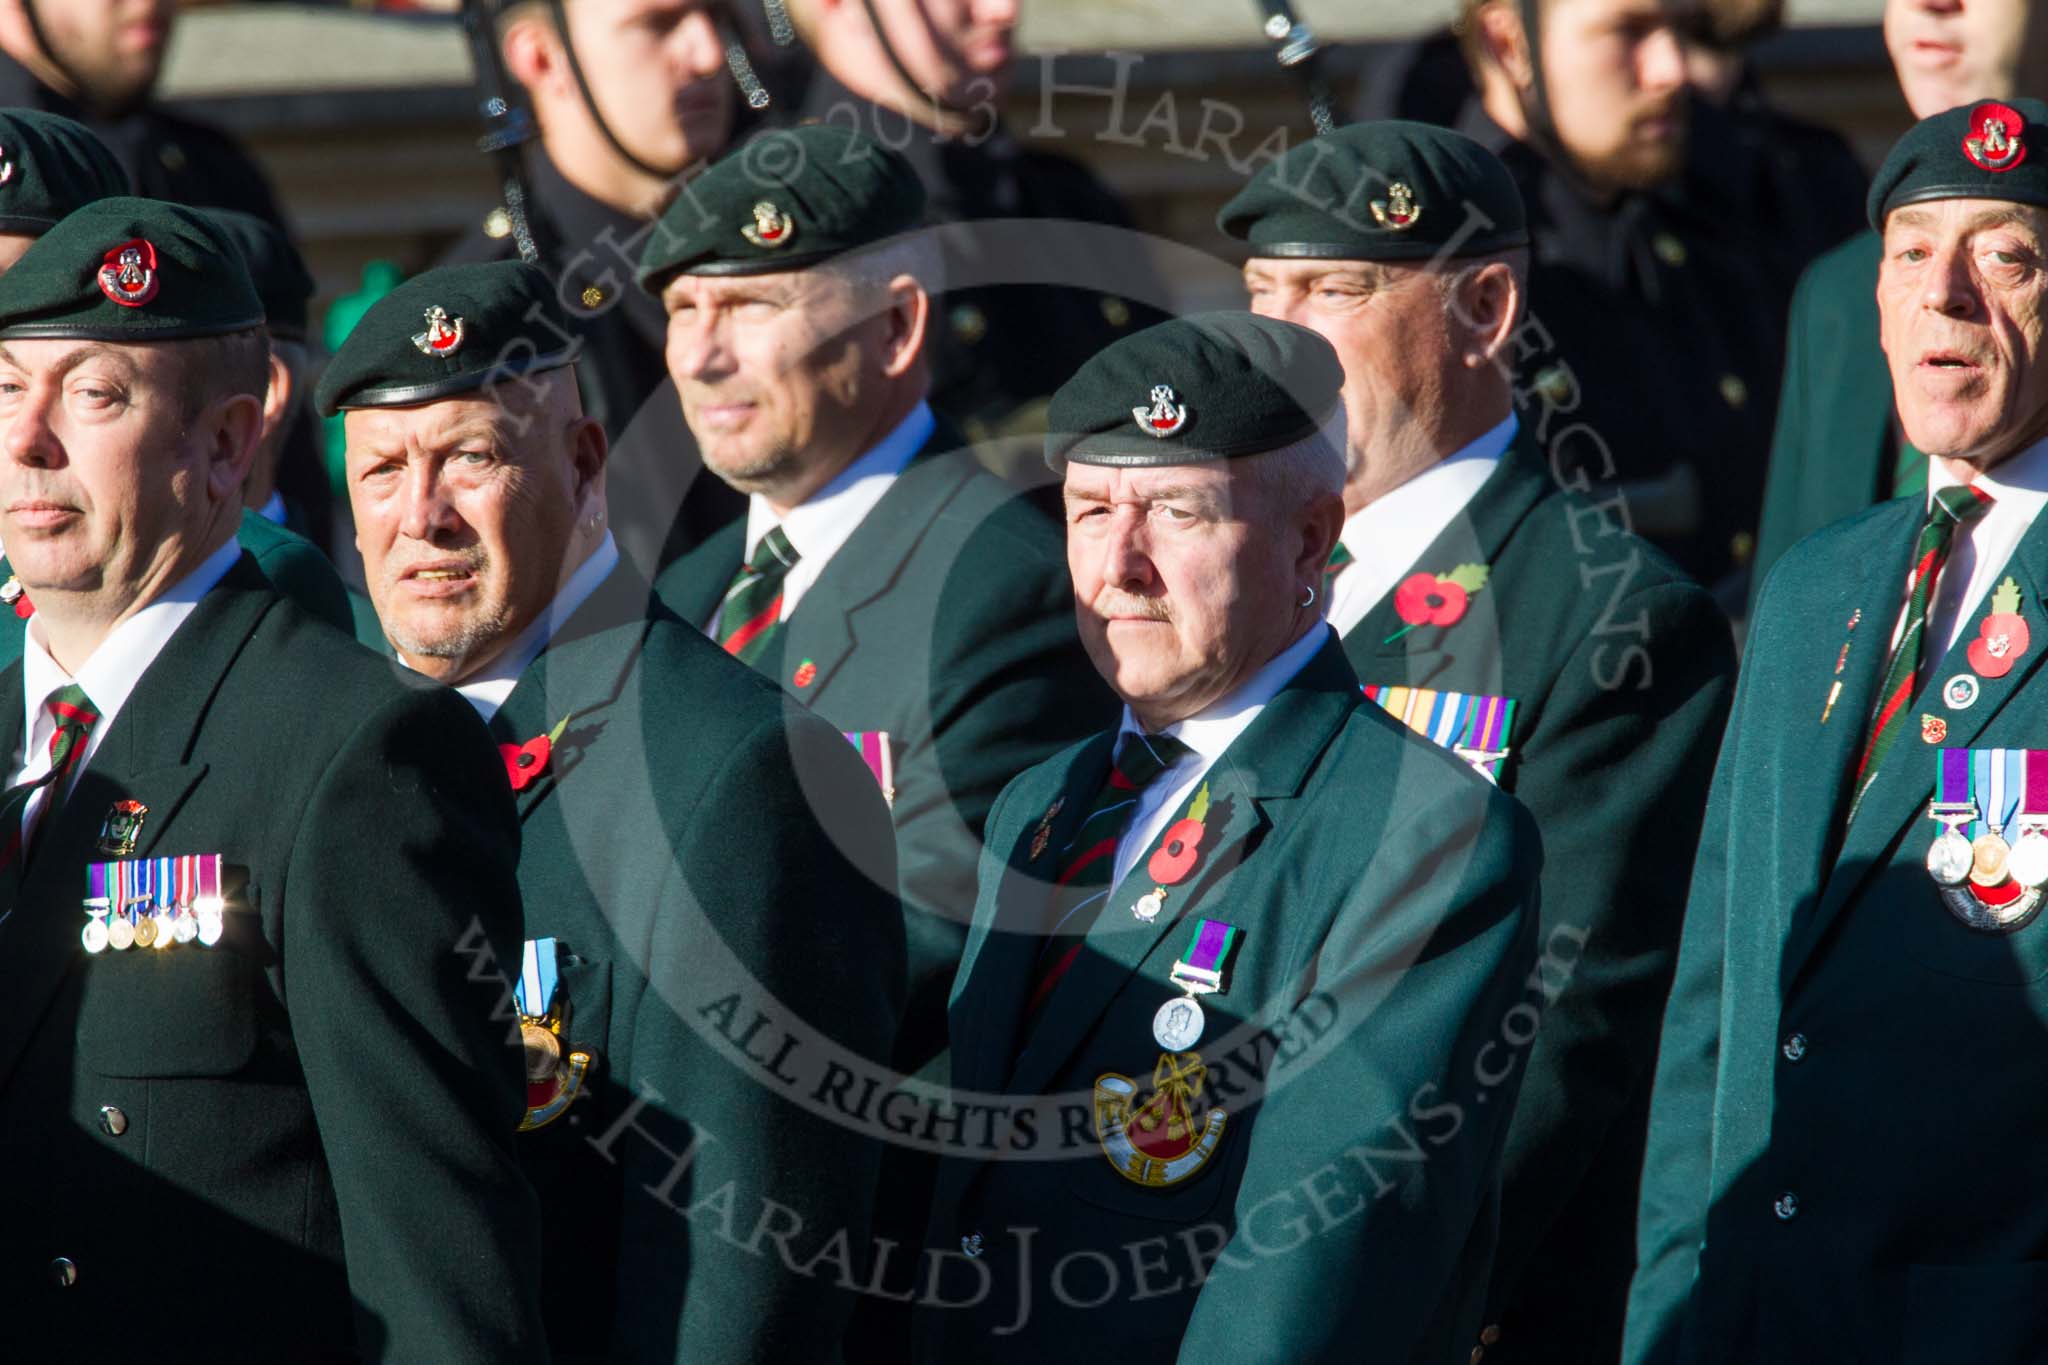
1165, 416
443, 336
771, 228
128, 273
1398, 211
1995, 141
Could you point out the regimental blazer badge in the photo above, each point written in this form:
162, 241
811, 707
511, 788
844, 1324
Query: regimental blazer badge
1166, 1137
120, 830
128, 273
879, 753
1475, 728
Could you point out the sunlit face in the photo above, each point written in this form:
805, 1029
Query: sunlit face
465, 512
774, 371
1952, 52
1614, 75
1391, 329
1183, 586
107, 477
656, 70
958, 50
112, 48
1961, 317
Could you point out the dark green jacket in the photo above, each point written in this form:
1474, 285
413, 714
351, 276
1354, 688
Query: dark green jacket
684, 847
947, 621
294, 566
1835, 1035
1834, 450
1384, 896
1621, 670
313, 1153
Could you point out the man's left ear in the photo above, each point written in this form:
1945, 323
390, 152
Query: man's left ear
232, 429
908, 315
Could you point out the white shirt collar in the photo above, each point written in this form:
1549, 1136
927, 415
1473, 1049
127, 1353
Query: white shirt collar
823, 522
110, 674
1388, 535
1216, 727
487, 690
273, 510
2019, 482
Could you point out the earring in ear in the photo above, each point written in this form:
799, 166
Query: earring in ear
1308, 595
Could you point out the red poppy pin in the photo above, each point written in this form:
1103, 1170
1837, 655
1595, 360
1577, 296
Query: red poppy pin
2003, 636
1428, 599
128, 273
1178, 852
525, 763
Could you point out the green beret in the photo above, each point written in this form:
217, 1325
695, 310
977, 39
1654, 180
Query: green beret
50, 166
1206, 387
452, 330
786, 200
276, 268
1974, 151
129, 270
1382, 191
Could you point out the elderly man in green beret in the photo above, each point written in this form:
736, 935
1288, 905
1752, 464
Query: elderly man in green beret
1495, 603
253, 888
1237, 963
687, 847
1856, 1032
58, 166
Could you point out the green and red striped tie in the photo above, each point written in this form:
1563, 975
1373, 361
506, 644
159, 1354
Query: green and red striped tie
75, 716
1341, 559
1950, 507
752, 606
1089, 860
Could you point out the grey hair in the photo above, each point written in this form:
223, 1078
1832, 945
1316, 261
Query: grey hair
1292, 477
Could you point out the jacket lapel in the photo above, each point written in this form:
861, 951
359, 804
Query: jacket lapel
146, 755
695, 584
1383, 644
1266, 764
1905, 782
824, 628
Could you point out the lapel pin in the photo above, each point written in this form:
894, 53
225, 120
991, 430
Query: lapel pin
1933, 729
2002, 636
1041, 836
1960, 692
121, 829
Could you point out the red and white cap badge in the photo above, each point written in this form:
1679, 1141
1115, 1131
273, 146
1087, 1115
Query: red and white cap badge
771, 228
1995, 141
128, 273
443, 336
1165, 416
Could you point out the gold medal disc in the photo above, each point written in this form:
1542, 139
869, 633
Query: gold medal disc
1988, 853
543, 1051
145, 931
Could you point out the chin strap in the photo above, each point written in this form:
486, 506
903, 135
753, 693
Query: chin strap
896, 61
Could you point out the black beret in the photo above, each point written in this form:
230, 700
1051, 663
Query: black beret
451, 330
1206, 387
1973, 151
1381, 191
786, 200
49, 167
130, 269
275, 267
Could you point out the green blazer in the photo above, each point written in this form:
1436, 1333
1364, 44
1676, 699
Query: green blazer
301, 1139
1840, 1164
947, 621
291, 562
1384, 900
684, 845
1621, 670
1834, 449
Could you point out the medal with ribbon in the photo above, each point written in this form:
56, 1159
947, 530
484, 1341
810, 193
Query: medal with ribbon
552, 1083
1979, 797
1201, 970
153, 903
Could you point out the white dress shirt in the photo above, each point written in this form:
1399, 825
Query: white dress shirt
272, 510
1207, 733
108, 676
2019, 489
823, 522
487, 690
1388, 535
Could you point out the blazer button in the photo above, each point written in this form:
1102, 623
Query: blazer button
1795, 1048
63, 1272
112, 1121
1490, 1337
1787, 1207
970, 1245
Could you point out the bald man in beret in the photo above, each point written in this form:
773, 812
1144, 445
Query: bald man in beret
1854, 1045
1238, 961
256, 891
1495, 601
